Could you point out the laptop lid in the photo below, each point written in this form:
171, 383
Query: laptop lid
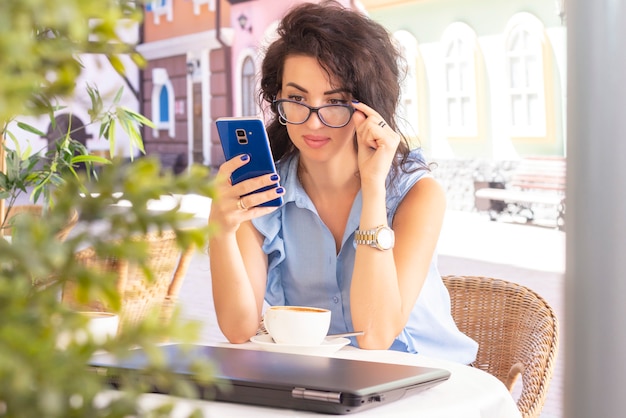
294, 381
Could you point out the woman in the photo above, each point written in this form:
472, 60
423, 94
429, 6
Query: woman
349, 182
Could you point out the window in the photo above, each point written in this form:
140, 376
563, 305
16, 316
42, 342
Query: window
525, 76
160, 8
248, 106
459, 43
197, 3
409, 110
162, 102
164, 114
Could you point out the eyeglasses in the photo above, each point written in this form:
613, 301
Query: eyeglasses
332, 115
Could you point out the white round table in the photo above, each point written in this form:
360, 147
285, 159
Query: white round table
469, 393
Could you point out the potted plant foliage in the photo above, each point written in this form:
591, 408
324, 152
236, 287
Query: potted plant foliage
41, 42
37, 172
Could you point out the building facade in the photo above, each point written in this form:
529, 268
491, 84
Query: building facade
485, 86
203, 63
485, 82
185, 83
486, 78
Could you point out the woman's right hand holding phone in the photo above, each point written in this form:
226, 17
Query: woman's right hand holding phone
232, 204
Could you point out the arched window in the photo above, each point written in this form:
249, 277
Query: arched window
161, 8
459, 46
525, 76
409, 110
65, 123
248, 88
197, 3
162, 102
164, 115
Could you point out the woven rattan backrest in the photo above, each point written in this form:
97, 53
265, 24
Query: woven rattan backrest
139, 296
33, 210
37, 211
516, 330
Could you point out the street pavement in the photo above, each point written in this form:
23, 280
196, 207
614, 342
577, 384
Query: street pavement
470, 244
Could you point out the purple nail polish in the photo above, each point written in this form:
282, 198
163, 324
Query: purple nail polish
274, 177
280, 190
245, 157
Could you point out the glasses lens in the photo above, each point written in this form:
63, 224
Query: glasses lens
293, 112
335, 116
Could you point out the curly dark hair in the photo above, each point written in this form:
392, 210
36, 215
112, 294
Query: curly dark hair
355, 51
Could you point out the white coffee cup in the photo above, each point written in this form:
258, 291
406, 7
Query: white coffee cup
297, 325
102, 325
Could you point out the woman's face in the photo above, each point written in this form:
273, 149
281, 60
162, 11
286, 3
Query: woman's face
305, 81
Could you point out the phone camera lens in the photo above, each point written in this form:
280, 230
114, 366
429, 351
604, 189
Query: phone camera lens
242, 138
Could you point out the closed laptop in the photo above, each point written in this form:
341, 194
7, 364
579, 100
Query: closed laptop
295, 381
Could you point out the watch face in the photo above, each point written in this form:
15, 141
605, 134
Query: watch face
385, 238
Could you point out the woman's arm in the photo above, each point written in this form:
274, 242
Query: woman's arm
238, 264
238, 277
386, 284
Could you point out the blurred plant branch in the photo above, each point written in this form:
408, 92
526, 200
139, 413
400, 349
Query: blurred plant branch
41, 44
38, 378
41, 171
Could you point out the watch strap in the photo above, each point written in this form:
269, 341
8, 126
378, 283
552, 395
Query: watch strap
365, 237
372, 237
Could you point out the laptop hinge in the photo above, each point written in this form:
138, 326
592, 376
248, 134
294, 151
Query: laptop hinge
316, 395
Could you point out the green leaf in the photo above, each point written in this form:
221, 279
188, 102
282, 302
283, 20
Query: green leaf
117, 64
90, 159
28, 151
104, 127
111, 137
118, 96
16, 143
138, 59
95, 111
141, 119
30, 128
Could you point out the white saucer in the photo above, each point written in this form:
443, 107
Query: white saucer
328, 346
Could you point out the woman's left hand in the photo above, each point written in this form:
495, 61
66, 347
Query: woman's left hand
377, 143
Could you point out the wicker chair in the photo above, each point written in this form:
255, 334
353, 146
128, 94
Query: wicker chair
138, 295
37, 211
517, 333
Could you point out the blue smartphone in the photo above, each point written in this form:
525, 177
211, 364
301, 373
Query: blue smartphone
247, 135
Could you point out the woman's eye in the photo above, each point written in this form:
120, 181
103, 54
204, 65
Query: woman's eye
337, 101
295, 98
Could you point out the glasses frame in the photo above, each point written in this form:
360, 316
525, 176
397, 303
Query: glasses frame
315, 110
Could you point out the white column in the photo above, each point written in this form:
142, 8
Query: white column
206, 106
595, 285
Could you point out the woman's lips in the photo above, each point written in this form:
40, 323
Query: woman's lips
314, 141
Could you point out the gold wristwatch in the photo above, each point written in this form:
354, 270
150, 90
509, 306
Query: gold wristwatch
381, 237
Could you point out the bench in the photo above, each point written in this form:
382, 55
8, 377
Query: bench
535, 181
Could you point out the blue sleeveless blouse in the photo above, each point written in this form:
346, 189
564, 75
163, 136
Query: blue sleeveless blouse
304, 268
